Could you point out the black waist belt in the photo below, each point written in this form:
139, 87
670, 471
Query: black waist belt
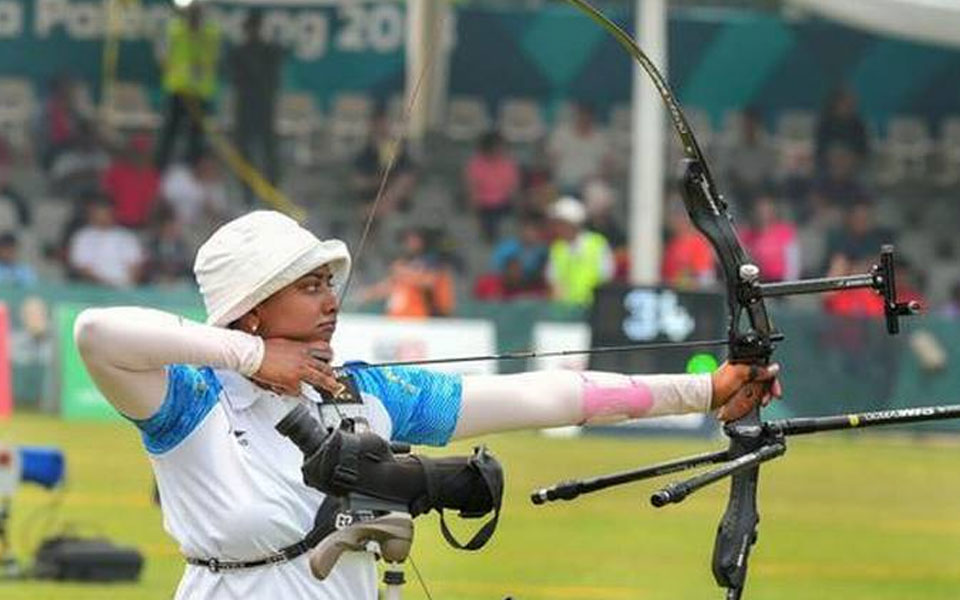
286, 554
323, 526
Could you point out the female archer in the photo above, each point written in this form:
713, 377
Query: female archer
206, 398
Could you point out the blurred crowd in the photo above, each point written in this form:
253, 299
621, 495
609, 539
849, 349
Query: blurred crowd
549, 218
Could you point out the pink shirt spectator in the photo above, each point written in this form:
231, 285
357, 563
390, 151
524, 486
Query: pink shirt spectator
492, 180
775, 250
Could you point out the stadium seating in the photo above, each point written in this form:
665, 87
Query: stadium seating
397, 114
948, 148
299, 118
18, 105
84, 100
350, 123
620, 126
941, 277
563, 112
906, 149
795, 136
521, 121
127, 107
466, 119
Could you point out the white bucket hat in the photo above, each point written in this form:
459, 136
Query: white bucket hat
254, 256
569, 209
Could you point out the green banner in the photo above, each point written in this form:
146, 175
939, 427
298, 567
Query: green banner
79, 397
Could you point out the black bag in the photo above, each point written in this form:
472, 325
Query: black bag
77, 559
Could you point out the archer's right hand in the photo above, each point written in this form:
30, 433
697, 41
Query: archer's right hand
287, 363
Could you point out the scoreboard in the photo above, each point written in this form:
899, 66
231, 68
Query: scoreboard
624, 314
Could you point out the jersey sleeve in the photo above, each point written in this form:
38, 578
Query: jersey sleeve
423, 405
191, 393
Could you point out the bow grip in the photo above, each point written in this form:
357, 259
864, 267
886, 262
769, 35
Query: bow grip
737, 531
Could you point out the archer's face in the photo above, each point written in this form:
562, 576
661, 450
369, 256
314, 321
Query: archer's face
306, 310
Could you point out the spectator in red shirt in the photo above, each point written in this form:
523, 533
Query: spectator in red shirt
862, 302
132, 183
688, 256
492, 179
772, 241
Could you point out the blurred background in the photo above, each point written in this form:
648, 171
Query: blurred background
498, 135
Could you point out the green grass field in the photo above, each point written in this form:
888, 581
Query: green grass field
842, 518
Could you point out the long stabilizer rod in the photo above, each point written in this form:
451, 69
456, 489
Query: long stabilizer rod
894, 416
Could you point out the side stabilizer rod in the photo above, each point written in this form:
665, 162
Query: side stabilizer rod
676, 492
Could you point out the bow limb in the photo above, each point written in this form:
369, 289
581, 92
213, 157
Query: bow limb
750, 332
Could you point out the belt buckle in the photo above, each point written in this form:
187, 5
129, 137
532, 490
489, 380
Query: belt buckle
214, 565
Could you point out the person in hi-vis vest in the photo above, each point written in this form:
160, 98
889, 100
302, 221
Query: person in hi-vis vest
189, 61
579, 260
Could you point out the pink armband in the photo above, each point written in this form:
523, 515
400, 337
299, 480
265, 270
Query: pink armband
607, 396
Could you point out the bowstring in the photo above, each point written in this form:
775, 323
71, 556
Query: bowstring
395, 148
423, 582
534, 354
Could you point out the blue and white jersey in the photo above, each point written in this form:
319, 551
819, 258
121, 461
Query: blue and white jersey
231, 486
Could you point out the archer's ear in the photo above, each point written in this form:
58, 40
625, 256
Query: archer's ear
249, 323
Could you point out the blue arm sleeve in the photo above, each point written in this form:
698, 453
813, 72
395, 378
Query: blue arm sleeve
191, 393
423, 405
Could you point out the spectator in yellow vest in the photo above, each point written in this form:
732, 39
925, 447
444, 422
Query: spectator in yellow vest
579, 260
189, 61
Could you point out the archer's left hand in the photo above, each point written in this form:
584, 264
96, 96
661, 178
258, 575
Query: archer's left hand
737, 388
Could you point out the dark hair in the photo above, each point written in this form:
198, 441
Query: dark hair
255, 16
586, 107
254, 19
489, 141
8, 238
753, 113
531, 220
833, 100
94, 199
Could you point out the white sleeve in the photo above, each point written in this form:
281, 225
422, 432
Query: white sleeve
126, 350
78, 254
493, 403
133, 251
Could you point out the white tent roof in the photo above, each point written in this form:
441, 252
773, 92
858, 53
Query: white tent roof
931, 21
